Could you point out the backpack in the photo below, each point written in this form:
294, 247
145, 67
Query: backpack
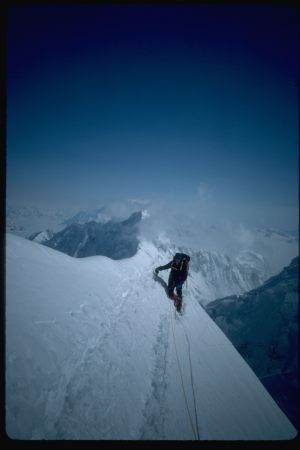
180, 262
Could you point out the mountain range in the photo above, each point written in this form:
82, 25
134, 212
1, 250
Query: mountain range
26, 221
263, 326
212, 274
115, 210
276, 247
115, 239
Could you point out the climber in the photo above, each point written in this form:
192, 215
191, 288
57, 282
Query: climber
179, 271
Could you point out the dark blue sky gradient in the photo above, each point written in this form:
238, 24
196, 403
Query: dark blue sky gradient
111, 101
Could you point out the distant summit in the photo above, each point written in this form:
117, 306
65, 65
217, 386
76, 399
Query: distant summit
114, 210
114, 239
41, 236
95, 215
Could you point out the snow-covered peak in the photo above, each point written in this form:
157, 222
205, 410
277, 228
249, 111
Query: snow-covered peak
212, 273
82, 217
94, 351
114, 210
41, 236
115, 239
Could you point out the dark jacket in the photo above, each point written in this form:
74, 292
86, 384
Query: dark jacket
176, 274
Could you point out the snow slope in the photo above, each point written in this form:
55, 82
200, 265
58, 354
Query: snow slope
90, 354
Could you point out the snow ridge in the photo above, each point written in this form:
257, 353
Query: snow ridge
89, 356
154, 406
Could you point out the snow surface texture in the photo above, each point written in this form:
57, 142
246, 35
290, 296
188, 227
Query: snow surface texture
90, 354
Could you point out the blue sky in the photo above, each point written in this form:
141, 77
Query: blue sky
190, 103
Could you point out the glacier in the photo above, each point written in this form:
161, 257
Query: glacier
95, 351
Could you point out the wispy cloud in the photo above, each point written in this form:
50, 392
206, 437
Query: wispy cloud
203, 227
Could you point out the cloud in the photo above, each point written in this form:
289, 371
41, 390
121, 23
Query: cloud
245, 237
204, 227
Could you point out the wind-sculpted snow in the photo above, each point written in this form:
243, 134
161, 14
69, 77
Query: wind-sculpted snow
90, 354
263, 325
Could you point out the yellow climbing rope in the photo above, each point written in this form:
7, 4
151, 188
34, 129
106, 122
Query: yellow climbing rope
181, 377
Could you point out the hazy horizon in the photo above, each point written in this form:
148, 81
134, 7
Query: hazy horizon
192, 107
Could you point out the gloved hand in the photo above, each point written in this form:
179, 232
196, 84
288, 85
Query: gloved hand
156, 271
